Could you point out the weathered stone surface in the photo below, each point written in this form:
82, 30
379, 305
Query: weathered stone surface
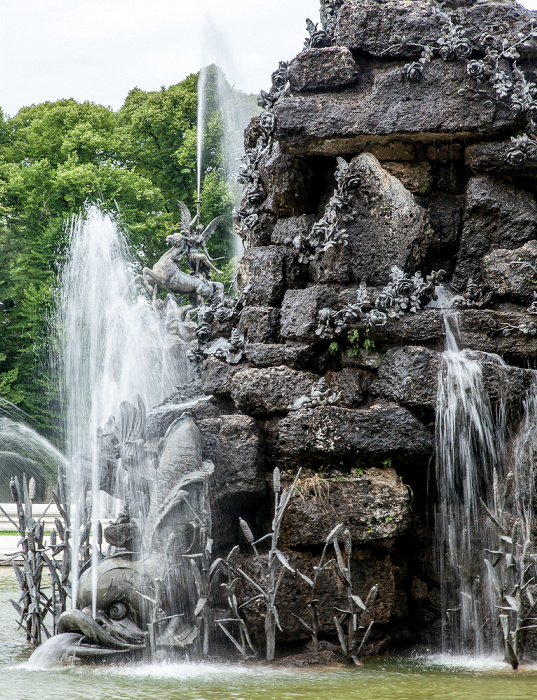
445, 212
299, 311
499, 19
501, 157
285, 230
258, 392
123, 535
352, 383
476, 328
367, 570
261, 324
399, 28
373, 506
497, 215
387, 228
424, 327
316, 70
375, 27
260, 234
332, 432
216, 376
235, 445
265, 273
408, 376
512, 274
416, 177
273, 354
386, 106
287, 181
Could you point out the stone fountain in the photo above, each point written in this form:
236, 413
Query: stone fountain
395, 154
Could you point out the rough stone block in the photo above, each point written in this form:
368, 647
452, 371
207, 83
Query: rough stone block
497, 215
352, 383
386, 228
259, 392
374, 27
373, 506
408, 376
480, 330
261, 324
216, 377
330, 432
387, 107
299, 311
286, 230
274, 354
498, 19
287, 180
399, 28
368, 569
235, 445
502, 157
512, 274
316, 70
265, 273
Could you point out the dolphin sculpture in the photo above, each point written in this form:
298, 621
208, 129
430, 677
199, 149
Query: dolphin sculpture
146, 601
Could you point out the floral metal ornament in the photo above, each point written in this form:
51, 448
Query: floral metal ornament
319, 38
403, 294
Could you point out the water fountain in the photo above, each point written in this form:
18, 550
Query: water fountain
333, 359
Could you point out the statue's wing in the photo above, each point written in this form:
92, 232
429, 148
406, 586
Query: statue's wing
186, 218
212, 227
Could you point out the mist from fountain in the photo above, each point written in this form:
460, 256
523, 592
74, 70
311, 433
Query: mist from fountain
111, 347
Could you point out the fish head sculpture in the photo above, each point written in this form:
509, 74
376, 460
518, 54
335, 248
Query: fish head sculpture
126, 605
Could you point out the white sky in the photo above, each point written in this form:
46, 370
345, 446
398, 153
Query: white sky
98, 50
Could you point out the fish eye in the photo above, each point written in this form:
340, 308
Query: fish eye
118, 611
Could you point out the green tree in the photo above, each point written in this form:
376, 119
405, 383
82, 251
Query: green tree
55, 157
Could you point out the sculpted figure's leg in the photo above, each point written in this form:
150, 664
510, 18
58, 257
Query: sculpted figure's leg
149, 276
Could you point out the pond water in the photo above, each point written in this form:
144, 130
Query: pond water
397, 678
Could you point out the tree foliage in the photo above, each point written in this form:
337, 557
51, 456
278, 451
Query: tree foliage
55, 157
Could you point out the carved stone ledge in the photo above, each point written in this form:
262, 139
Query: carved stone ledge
388, 109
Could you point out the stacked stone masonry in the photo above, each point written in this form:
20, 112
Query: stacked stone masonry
438, 173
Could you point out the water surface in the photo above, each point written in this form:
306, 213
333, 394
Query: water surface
398, 678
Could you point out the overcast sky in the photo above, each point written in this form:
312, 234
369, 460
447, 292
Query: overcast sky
98, 50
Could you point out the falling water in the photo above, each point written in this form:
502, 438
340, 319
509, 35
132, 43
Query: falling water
202, 81
24, 451
111, 347
470, 442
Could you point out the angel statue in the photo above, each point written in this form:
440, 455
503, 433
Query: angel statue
196, 238
190, 242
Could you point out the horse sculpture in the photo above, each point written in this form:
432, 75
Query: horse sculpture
166, 272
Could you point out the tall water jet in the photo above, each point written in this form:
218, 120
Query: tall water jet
470, 439
111, 348
202, 81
